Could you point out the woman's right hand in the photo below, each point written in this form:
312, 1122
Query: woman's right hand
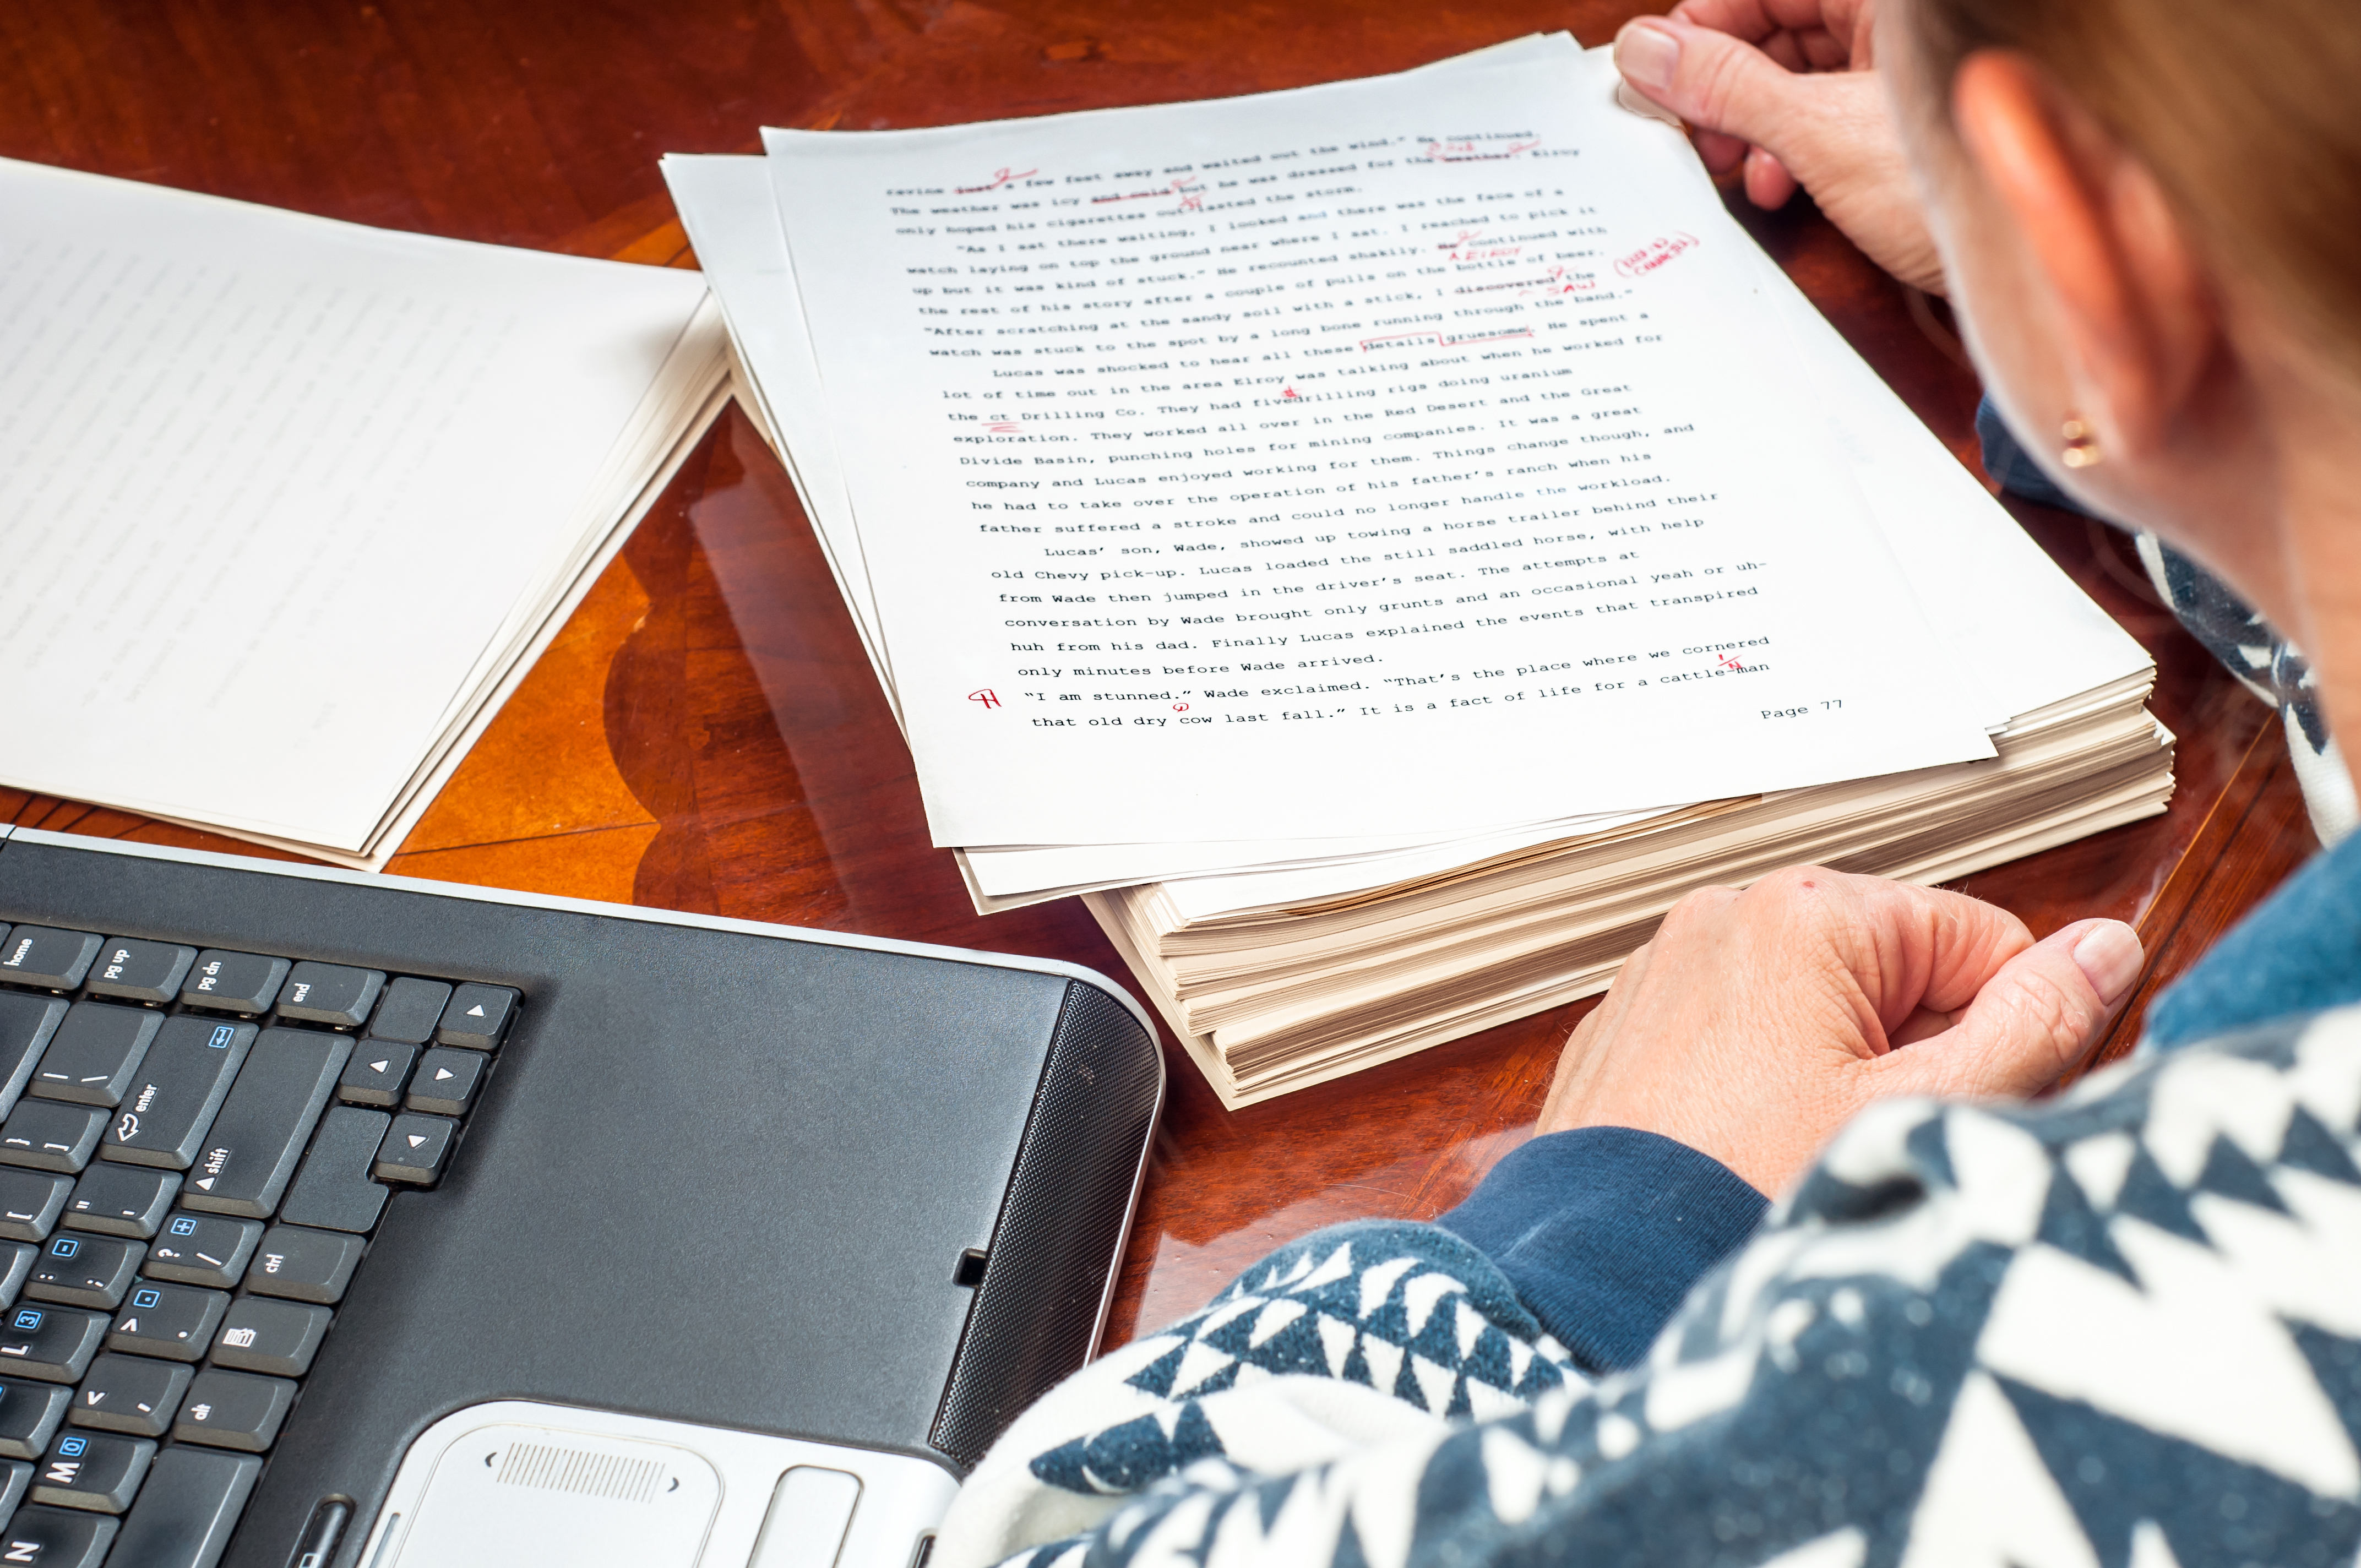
1784, 87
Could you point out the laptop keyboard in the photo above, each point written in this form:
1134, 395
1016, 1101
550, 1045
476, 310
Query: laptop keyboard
195, 1145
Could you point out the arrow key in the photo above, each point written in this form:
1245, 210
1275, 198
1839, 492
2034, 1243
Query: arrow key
375, 1073
414, 1150
477, 1016
446, 1081
132, 1394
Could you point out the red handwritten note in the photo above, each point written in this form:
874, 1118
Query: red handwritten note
1654, 254
984, 696
1000, 177
1476, 151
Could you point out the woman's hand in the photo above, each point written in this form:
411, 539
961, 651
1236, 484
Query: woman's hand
1757, 1023
1784, 87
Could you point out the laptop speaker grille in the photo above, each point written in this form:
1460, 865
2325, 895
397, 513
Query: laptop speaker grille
580, 1472
1059, 1226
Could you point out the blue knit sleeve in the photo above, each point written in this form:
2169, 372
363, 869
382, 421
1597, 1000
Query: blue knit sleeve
1603, 1230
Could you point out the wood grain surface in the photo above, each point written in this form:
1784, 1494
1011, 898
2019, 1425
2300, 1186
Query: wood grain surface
705, 734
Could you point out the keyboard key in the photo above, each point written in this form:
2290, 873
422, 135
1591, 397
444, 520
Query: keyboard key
43, 956
97, 1471
234, 1410
95, 1053
16, 1266
304, 1265
136, 1394
30, 1202
84, 1271
334, 1190
177, 1092
330, 993
140, 971
279, 1337
235, 983
477, 1016
58, 1538
414, 1149
375, 1073
250, 1154
411, 1009
51, 1344
29, 1416
26, 1025
187, 1508
121, 1199
49, 1134
446, 1083
16, 1480
174, 1321
202, 1249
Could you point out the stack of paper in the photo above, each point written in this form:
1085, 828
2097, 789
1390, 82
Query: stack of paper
1340, 533
288, 506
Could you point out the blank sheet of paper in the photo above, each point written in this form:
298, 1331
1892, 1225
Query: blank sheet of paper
274, 490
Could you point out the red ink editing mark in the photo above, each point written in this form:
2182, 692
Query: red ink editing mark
1192, 195
1729, 662
1179, 707
1557, 282
1003, 427
1440, 341
1289, 395
987, 697
1468, 248
1473, 151
1654, 254
999, 178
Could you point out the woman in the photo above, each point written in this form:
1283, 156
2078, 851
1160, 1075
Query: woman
2120, 1326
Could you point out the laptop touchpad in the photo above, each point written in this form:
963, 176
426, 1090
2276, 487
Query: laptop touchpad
509, 1494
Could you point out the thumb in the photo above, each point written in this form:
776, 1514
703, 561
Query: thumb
1721, 84
2031, 1023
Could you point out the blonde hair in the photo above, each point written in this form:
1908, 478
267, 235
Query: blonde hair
2248, 112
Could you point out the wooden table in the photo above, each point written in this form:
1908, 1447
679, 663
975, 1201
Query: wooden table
705, 734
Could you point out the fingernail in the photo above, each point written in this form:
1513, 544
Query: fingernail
2109, 957
1647, 55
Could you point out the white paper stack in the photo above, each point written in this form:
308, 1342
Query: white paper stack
1415, 443
289, 506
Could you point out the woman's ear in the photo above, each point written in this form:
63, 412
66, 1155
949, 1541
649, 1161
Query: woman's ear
2136, 323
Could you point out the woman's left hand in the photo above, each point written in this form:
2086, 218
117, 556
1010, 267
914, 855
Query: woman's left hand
1756, 1023
1723, 66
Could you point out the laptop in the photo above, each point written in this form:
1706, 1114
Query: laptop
355, 1222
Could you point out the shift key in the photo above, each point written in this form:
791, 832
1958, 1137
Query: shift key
251, 1152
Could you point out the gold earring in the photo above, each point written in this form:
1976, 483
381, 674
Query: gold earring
2081, 443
